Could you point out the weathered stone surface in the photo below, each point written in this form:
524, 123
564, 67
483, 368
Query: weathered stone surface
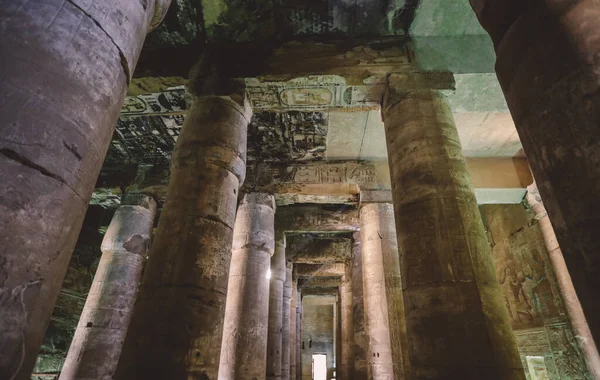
361, 343
375, 239
178, 318
346, 356
459, 326
318, 331
579, 324
274, 343
549, 69
246, 320
299, 361
66, 66
378, 237
318, 248
101, 330
285, 317
533, 292
293, 339
332, 218
316, 270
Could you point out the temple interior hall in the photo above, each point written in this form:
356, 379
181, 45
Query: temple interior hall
299, 190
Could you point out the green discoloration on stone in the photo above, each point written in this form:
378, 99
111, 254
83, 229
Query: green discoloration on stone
445, 18
477, 93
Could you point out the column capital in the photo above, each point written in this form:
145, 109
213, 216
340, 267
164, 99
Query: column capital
160, 10
400, 86
139, 199
130, 229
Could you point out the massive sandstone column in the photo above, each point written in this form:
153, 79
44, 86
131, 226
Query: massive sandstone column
96, 346
177, 326
548, 63
244, 347
275, 334
455, 313
293, 316
285, 317
360, 340
346, 367
65, 70
565, 284
382, 292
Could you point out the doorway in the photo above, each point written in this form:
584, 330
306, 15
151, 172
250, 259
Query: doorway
319, 367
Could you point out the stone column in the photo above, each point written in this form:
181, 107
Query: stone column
293, 332
547, 64
177, 325
285, 329
65, 72
459, 326
382, 291
337, 334
563, 278
96, 346
244, 347
275, 334
361, 343
299, 336
346, 363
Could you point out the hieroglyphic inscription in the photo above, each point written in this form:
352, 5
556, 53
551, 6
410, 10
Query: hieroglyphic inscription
314, 218
361, 174
171, 101
312, 92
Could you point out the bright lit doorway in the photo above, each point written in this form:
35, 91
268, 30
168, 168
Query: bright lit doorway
319, 367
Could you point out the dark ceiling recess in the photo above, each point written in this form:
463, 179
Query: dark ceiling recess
405, 16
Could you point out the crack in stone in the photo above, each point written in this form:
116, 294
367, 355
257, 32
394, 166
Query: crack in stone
11, 154
122, 57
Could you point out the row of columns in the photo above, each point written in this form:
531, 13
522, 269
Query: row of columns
459, 327
258, 302
184, 276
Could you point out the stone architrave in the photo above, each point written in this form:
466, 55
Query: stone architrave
66, 66
455, 312
177, 324
244, 347
96, 346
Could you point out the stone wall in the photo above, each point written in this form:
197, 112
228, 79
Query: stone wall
317, 332
544, 337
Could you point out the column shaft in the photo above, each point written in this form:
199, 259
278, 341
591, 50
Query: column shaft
346, 367
244, 347
285, 330
177, 326
361, 343
299, 336
383, 295
548, 65
563, 278
459, 326
96, 346
293, 332
275, 335
65, 72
